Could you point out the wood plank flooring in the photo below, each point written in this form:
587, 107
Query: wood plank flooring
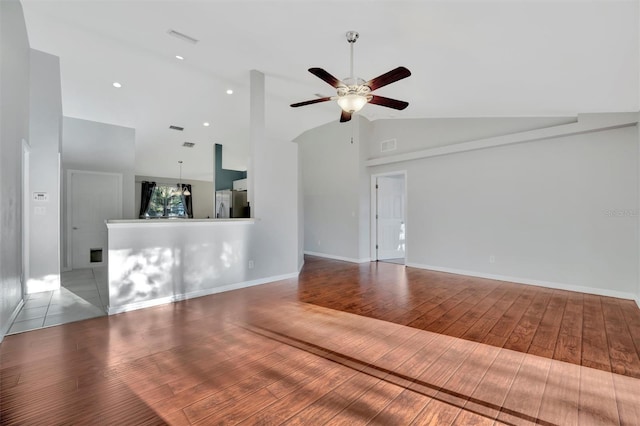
340, 345
594, 331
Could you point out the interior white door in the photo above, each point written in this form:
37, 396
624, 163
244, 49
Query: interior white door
390, 217
94, 198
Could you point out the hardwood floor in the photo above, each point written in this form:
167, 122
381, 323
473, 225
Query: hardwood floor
593, 331
343, 344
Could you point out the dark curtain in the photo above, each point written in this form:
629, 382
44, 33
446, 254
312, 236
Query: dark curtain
187, 200
145, 197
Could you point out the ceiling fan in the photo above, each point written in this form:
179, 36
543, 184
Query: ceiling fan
354, 93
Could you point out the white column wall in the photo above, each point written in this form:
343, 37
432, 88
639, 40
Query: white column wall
273, 190
45, 138
14, 128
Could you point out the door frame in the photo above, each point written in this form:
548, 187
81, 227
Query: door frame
26, 213
374, 212
69, 204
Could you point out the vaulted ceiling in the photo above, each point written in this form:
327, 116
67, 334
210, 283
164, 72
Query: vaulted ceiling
467, 58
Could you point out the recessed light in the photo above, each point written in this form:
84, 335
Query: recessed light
117, 85
180, 57
229, 92
205, 124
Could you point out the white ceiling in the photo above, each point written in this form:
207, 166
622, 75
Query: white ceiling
468, 58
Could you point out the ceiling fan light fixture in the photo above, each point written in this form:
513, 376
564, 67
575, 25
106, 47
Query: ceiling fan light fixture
353, 93
352, 102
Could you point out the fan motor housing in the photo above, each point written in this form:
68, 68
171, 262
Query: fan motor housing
352, 36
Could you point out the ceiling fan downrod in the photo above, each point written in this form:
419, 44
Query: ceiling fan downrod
352, 37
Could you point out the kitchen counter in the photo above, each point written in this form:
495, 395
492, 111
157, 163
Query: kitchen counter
126, 223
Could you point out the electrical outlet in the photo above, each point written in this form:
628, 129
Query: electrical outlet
492, 259
251, 264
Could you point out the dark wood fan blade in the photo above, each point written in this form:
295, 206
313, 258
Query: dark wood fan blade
323, 75
388, 78
388, 102
312, 101
345, 116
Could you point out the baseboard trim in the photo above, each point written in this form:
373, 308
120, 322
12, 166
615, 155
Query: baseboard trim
112, 310
527, 281
333, 257
6, 327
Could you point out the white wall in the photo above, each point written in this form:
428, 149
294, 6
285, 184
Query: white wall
99, 147
331, 179
416, 134
301, 212
273, 187
45, 131
201, 191
336, 189
638, 289
546, 210
14, 127
152, 262
365, 132
274, 238
335, 186
558, 212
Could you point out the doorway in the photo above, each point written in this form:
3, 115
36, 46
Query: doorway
93, 197
389, 224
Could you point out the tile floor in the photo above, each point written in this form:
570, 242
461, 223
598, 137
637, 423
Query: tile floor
83, 294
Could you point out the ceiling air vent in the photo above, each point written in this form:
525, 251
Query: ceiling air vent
178, 128
182, 37
188, 144
389, 145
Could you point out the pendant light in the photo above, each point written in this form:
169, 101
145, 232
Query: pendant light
184, 192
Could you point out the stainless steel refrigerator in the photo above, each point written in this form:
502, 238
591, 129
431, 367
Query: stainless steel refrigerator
231, 204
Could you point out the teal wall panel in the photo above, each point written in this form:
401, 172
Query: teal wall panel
224, 177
